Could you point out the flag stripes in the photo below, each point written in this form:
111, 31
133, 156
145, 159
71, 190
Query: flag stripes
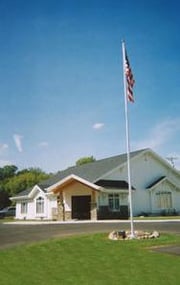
129, 79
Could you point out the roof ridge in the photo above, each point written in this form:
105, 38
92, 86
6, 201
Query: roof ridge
102, 159
108, 158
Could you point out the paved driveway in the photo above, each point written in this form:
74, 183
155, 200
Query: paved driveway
16, 234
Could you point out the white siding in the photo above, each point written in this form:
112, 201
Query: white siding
165, 186
49, 203
146, 169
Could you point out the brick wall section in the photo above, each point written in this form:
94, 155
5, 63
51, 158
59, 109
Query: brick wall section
68, 216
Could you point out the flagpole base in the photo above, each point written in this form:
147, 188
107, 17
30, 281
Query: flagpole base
132, 236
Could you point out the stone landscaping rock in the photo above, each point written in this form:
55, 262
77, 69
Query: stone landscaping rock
126, 235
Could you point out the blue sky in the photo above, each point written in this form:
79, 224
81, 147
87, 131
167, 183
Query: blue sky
62, 81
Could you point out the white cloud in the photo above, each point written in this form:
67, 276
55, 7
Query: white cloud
3, 147
18, 142
160, 134
43, 144
5, 162
98, 126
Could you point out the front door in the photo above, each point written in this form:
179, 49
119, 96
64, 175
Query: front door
81, 207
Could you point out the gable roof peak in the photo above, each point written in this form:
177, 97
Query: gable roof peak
91, 171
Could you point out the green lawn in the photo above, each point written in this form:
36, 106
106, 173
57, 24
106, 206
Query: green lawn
90, 260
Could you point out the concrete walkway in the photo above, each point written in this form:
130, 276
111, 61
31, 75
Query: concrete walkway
44, 222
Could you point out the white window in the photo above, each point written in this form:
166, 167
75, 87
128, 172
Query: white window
164, 200
24, 208
40, 205
113, 202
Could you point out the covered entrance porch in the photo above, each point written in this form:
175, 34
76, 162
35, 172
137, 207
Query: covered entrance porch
76, 199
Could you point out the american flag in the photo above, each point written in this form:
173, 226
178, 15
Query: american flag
129, 78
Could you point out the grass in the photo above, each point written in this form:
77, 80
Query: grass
5, 220
90, 260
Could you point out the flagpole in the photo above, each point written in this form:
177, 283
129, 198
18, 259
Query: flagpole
127, 141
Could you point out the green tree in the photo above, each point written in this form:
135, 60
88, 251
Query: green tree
84, 160
13, 181
7, 171
4, 199
23, 180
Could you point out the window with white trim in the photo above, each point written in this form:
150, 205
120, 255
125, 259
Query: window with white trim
113, 202
164, 200
40, 205
24, 208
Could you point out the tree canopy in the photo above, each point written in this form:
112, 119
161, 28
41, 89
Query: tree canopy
7, 171
13, 181
84, 160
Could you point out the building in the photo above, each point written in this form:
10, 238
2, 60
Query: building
99, 190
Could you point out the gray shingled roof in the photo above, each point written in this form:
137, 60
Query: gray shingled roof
155, 182
91, 172
24, 192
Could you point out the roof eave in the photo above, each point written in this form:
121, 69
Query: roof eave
16, 198
164, 179
72, 177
